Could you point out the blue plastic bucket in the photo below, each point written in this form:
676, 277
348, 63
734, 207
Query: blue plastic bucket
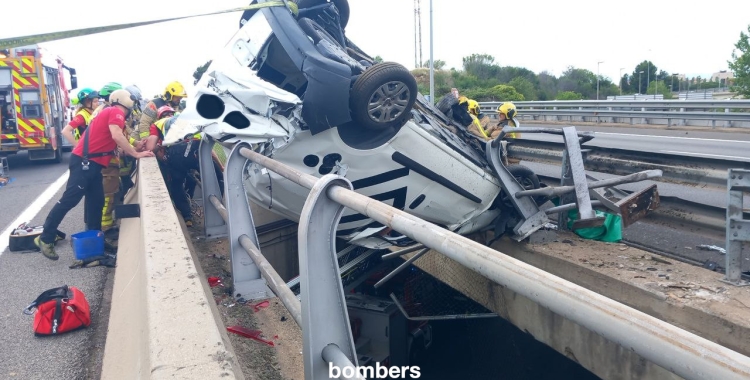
87, 244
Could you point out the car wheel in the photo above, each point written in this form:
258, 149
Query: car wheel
383, 96
445, 104
341, 5
527, 178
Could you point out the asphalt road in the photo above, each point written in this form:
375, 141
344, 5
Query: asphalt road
702, 144
23, 276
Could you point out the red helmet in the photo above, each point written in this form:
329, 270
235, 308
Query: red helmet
162, 110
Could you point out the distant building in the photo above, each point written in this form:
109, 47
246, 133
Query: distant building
722, 76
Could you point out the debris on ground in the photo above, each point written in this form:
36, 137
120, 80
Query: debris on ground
252, 334
707, 247
214, 282
260, 305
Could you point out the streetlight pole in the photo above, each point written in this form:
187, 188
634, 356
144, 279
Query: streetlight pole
671, 87
639, 81
432, 64
621, 68
597, 79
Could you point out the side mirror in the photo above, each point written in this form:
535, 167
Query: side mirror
73, 79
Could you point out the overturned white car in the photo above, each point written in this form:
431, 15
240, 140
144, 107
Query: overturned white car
301, 92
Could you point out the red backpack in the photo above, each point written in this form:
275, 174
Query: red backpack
59, 310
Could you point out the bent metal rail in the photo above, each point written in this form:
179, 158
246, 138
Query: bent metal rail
322, 313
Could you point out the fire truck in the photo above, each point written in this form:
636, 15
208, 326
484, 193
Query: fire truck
34, 103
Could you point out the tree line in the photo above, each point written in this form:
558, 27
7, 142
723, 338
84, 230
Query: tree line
483, 79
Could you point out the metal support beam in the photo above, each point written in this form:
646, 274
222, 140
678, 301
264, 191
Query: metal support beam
402, 252
401, 268
277, 285
532, 218
247, 281
738, 229
213, 224
555, 191
586, 215
325, 318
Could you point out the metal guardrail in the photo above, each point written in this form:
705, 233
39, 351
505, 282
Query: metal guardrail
614, 104
648, 111
324, 318
738, 183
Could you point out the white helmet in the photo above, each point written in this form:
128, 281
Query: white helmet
123, 98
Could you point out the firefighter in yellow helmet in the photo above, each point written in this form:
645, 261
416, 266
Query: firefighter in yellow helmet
477, 127
172, 95
506, 114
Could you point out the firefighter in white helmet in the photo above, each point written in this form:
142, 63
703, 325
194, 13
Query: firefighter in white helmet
90, 156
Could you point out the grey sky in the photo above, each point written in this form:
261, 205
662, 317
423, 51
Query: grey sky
688, 37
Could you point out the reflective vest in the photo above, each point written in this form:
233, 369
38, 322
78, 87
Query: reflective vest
87, 117
161, 125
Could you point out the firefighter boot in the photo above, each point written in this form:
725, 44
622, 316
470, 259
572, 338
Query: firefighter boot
48, 249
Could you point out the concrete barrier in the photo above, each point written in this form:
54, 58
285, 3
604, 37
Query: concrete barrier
162, 323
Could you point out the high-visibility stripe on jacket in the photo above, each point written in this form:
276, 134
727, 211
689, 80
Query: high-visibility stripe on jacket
87, 117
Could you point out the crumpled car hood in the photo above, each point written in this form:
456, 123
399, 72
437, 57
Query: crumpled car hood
235, 91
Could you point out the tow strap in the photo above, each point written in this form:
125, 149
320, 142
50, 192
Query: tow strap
6, 43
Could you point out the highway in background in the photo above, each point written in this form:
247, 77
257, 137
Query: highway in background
699, 143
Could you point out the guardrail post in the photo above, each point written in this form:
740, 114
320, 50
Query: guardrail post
683, 122
324, 315
247, 281
213, 225
738, 229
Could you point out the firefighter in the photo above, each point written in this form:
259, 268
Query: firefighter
506, 114
104, 95
177, 161
478, 126
127, 163
99, 141
87, 101
172, 95
110, 174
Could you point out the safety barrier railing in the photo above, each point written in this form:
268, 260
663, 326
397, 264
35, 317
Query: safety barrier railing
738, 228
323, 316
642, 111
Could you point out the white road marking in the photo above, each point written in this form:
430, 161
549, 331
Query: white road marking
671, 137
703, 154
30, 212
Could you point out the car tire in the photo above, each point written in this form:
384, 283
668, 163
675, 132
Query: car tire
341, 5
527, 178
383, 96
445, 104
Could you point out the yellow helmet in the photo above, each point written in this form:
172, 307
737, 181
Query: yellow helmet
473, 105
508, 109
174, 89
